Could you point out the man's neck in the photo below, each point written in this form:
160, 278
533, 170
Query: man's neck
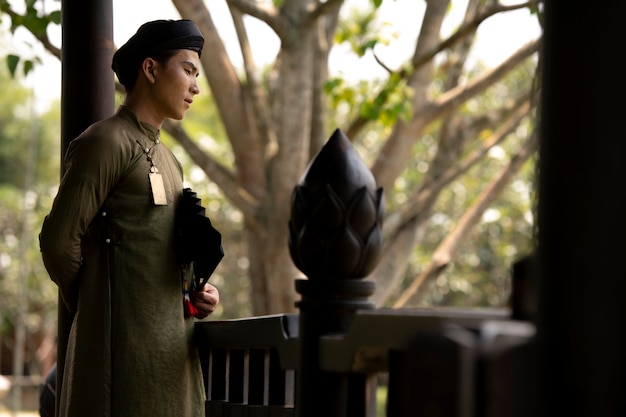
143, 110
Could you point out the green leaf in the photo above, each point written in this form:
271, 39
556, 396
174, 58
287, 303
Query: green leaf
363, 48
12, 61
16, 21
28, 66
55, 17
37, 25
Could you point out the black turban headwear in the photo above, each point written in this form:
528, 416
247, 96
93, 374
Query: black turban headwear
152, 38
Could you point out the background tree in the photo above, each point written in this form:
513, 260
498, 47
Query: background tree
444, 138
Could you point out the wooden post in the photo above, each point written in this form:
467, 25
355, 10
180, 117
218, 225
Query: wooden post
326, 308
87, 95
582, 221
335, 238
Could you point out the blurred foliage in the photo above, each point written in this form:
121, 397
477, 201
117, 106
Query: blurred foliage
31, 15
29, 173
480, 276
362, 31
384, 102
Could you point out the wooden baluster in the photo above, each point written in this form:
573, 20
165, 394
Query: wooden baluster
258, 381
217, 387
238, 383
509, 370
281, 392
434, 376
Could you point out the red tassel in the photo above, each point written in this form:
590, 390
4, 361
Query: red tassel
190, 309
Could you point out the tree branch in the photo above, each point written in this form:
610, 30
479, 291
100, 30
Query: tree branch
403, 229
260, 105
42, 37
447, 250
465, 29
263, 11
451, 99
420, 59
323, 8
417, 203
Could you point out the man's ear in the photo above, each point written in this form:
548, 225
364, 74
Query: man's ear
147, 67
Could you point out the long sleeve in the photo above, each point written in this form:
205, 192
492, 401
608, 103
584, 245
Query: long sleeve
94, 164
61, 236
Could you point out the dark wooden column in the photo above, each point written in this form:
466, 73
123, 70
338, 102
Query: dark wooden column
87, 95
88, 83
582, 212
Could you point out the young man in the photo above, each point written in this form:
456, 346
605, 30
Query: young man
109, 243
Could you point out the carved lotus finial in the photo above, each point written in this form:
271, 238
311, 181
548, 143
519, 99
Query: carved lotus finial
335, 230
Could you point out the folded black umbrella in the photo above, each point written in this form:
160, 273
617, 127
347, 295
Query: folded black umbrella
200, 244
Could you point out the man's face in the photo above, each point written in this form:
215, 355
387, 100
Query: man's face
176, 84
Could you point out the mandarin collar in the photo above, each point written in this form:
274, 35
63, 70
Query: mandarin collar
153, 132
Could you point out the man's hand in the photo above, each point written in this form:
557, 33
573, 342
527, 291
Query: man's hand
205, 300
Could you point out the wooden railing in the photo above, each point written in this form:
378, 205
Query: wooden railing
327, 360
249, 365
434, 363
